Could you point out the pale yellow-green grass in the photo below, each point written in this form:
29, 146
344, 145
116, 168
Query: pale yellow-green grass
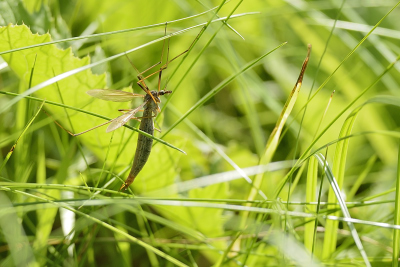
328, 193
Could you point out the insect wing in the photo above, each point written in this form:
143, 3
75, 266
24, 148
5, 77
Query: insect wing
124, 118
112, 95
120, 121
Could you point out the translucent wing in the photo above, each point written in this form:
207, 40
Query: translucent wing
112, 95
124, 118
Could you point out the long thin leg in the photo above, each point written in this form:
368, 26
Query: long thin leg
141, 81
162, 55
162, 52
105, 123
155, 122
163, 67
149, 68
73, 134
140, 77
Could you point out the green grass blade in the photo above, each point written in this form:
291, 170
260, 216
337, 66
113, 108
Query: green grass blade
347, 57
201, 52
219, 87
21, 135
96, 115
396, 233
336, 189
92, 36
273, 139
219, 151
292, 249
102, 61
305, 153
45, 217
226, 23
339, 167
106, 225
311, 190
351, 53
18, 243
361, 177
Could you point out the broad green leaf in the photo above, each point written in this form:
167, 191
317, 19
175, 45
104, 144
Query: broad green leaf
52, 61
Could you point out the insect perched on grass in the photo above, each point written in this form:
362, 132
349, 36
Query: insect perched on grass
150, 110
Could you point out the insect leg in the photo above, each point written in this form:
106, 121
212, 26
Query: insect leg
76, 134
169, 61
141, 81
162, 55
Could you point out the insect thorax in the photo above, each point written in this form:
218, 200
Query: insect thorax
147, 97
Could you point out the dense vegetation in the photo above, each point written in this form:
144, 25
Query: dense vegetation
221, 187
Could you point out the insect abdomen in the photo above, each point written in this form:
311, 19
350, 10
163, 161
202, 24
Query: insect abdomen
143, 147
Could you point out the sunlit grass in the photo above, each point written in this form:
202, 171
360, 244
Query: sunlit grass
59, 198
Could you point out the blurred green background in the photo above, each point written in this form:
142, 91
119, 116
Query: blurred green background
229, 130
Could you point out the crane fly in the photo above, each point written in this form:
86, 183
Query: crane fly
150, 108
